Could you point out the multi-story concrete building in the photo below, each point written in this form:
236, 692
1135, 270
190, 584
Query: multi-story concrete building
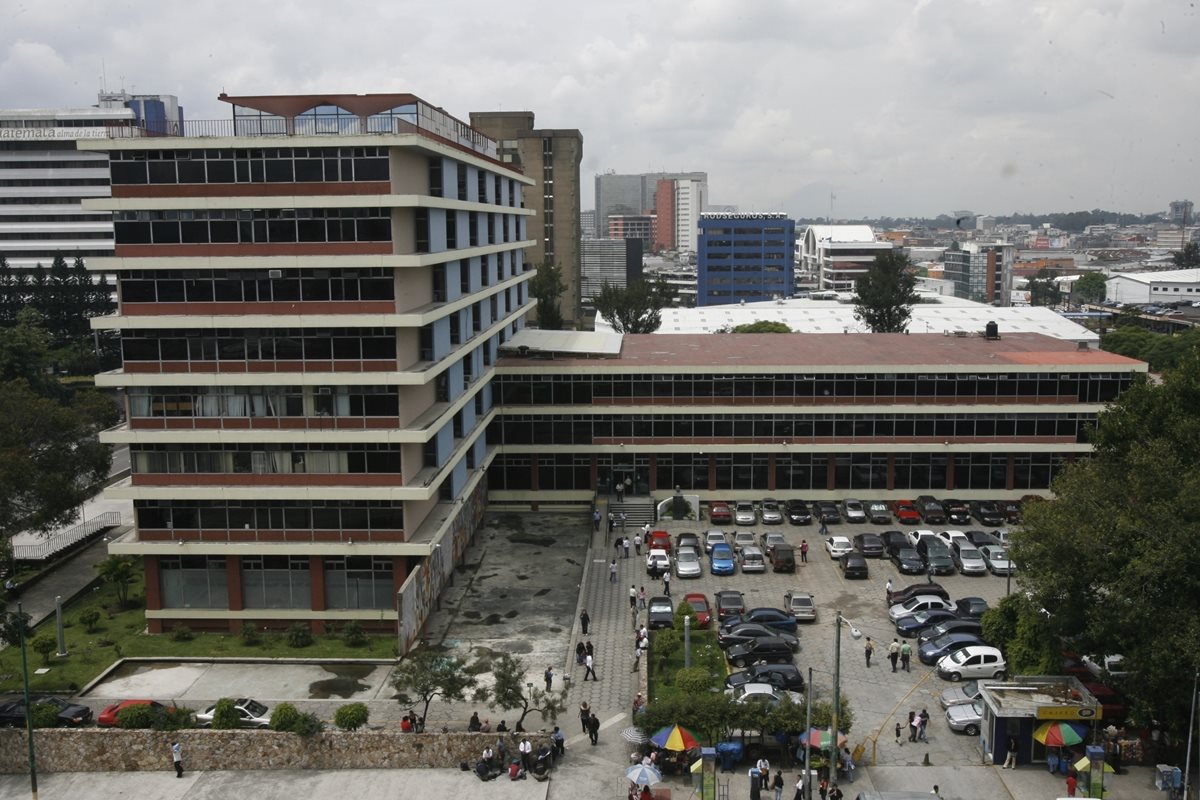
1180, 211
312, 295
980, 271
691, 195
818, 416
643, 227
744, 258
836, 255
551, 158
617, 262
44, 178
639, 194
587, 224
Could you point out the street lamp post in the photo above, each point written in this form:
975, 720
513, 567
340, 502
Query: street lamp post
20, 622
837, 676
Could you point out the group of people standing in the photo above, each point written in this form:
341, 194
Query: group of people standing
917, 724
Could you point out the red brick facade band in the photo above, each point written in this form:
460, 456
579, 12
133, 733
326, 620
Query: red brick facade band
233, 572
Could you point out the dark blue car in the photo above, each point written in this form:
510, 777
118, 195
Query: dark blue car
912, 625
770, 617
930, 652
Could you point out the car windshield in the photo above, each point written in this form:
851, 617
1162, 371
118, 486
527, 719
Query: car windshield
971, 688
656, 607
687, 555
959, 656
697, 605
256, 708
801, 602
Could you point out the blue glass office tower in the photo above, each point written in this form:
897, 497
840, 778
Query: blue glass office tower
744, 257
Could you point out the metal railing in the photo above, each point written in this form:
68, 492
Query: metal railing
61, 540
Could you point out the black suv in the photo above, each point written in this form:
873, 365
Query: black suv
987, 512
798, 513
957, 512
931, 510
768, 648
781, 676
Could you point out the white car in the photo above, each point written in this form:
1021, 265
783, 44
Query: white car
801, 606
853, 512
714, 537
762, 692
753, 560
687, 563
950, 537
771, 513
922, 602
965, 718
743, 539
744, 514
657, 561
838, 546
973, 661
251, 714
997, 560
916, 536
960, 695
1110, 664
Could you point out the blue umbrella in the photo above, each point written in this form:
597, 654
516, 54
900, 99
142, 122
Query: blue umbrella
643, 775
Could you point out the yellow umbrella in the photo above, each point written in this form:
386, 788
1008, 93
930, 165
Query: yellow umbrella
1084, 764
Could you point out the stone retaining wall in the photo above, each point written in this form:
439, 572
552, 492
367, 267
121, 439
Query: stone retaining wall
113, 750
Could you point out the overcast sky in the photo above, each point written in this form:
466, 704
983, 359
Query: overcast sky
896, 108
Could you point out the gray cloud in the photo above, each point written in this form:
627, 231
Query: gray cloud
897, 108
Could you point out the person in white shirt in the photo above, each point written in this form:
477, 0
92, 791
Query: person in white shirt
525, 748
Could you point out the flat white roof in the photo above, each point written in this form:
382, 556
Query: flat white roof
1164, 276
598, 343
842, 233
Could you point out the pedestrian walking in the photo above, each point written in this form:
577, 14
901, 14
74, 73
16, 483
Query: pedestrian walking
589, 664
642, 597
868, 651
633, 596
898, 735
848, 764
637, 656
625, 544
525, 748
888, 589
906, 656
835, 792
596, 520
1010, 760
799, 795
617, 545
622, 517
755, 783
620, 491
585, 712
612, 522
1072, 784
637, 543
579, 653
176, 758
823, 788
804, 551
777, 785
824, 531
912, 726
638, 702
923, 719
633, 612
612, 571
894, 653
584, 621
594, 728
560, 742
549, 677
667, 582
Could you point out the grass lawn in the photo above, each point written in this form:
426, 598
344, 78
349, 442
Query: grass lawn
122, 633
705, 654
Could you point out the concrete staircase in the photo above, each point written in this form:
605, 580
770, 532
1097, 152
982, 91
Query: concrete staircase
637, 513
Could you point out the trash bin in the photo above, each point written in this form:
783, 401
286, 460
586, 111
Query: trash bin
730, 753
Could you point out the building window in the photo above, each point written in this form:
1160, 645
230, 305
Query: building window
276, 582
194, 582
435, 177
358, 582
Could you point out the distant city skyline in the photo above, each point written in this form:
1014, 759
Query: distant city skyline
850, 110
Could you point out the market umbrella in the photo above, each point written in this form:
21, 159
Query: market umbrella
1058, 734
820, 738
1084, 764
643, 775
674, 737
634, 735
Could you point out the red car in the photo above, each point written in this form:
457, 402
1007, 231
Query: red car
108, 717
659, 540
699, 604
720, 514
906, 512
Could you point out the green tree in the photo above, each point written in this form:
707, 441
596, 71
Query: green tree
1091, 288
351, 716
426, 673
509, 691
225, 715
1112, 558
636, 308
547, 287
1043, 291
762, 326
119, 571
90, 619
44, 645
1188, 257
885, 294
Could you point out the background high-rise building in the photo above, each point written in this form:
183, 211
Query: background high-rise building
745, 258
617, 262
980, 271
44, 178
551, 158
634, 226
836, 255
638, 194
1180, 211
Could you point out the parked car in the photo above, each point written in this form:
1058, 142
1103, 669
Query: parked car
770, 512
906, 512
660, 613
769, 649
657, 562
732, 634
798, 513
744, 513
729, 603
753, 560
921, 602
720, 514
971, 626
801, 606
987, 512
952, 537
713, 538
854, 565
915, 537
659, 540
769, 540
251, 714
68, 714
879, 513
976, 661
966, 693
687, 563
869, 544
782, 676
965, 717
687, 539
911, 626
894, 540
699, 604
107, 717
765, 693
721, 561
770, 617
981, 538
957, 512
908, 561
996, 558
743, 539
931, 510
838, 546
914, 589
1105, 666
932, 651
783, 558
828, 513
936, 556
853, 512
1011, 509
968, 560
